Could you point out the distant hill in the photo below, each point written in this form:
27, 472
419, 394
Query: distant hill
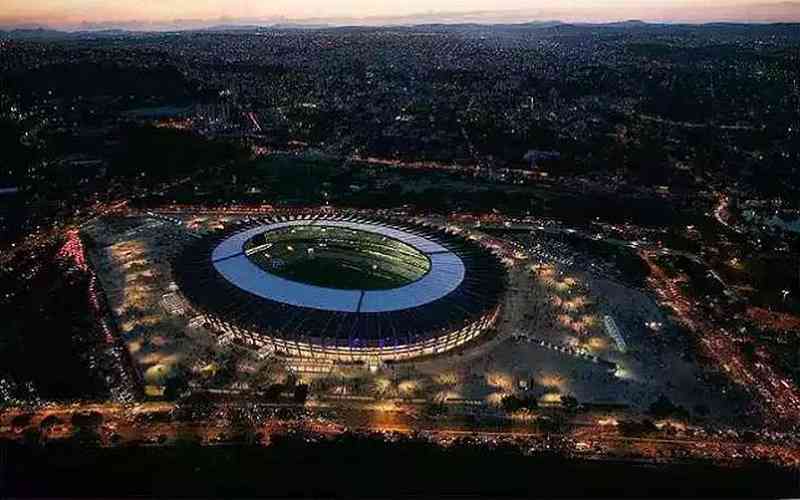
97, 30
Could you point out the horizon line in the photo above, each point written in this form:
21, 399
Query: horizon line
788, 12
211, 25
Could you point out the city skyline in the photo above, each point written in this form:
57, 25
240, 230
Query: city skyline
181, 14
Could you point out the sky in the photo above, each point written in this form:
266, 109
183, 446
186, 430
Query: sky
194, 13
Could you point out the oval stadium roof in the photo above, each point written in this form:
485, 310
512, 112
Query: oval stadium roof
465, 281
446, 273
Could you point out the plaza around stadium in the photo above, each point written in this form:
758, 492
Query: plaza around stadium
529, 317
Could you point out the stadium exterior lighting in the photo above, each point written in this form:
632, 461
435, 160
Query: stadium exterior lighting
376, 292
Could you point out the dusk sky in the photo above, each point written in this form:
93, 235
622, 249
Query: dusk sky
166, 13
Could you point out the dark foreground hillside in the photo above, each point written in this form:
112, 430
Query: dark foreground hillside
353, 466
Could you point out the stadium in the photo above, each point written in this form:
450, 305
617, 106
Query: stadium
342, 288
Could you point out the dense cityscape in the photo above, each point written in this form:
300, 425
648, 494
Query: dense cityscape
552, 247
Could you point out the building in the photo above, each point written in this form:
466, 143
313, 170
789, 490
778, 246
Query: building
342, 288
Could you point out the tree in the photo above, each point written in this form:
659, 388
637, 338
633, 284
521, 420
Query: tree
512, 403
91, 420
226, 362
273, 392
177, 383
21, 421
49, 422
663, 407
569, 402
264, 375
553, 424
749, 350
634, 428
301, 393
86, 436
32, 437
435, 409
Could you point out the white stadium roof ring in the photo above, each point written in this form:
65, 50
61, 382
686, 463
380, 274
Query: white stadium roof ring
447, 272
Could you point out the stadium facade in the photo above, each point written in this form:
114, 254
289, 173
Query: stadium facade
342, 288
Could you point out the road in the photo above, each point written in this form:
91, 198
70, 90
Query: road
778, 396
157, 423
